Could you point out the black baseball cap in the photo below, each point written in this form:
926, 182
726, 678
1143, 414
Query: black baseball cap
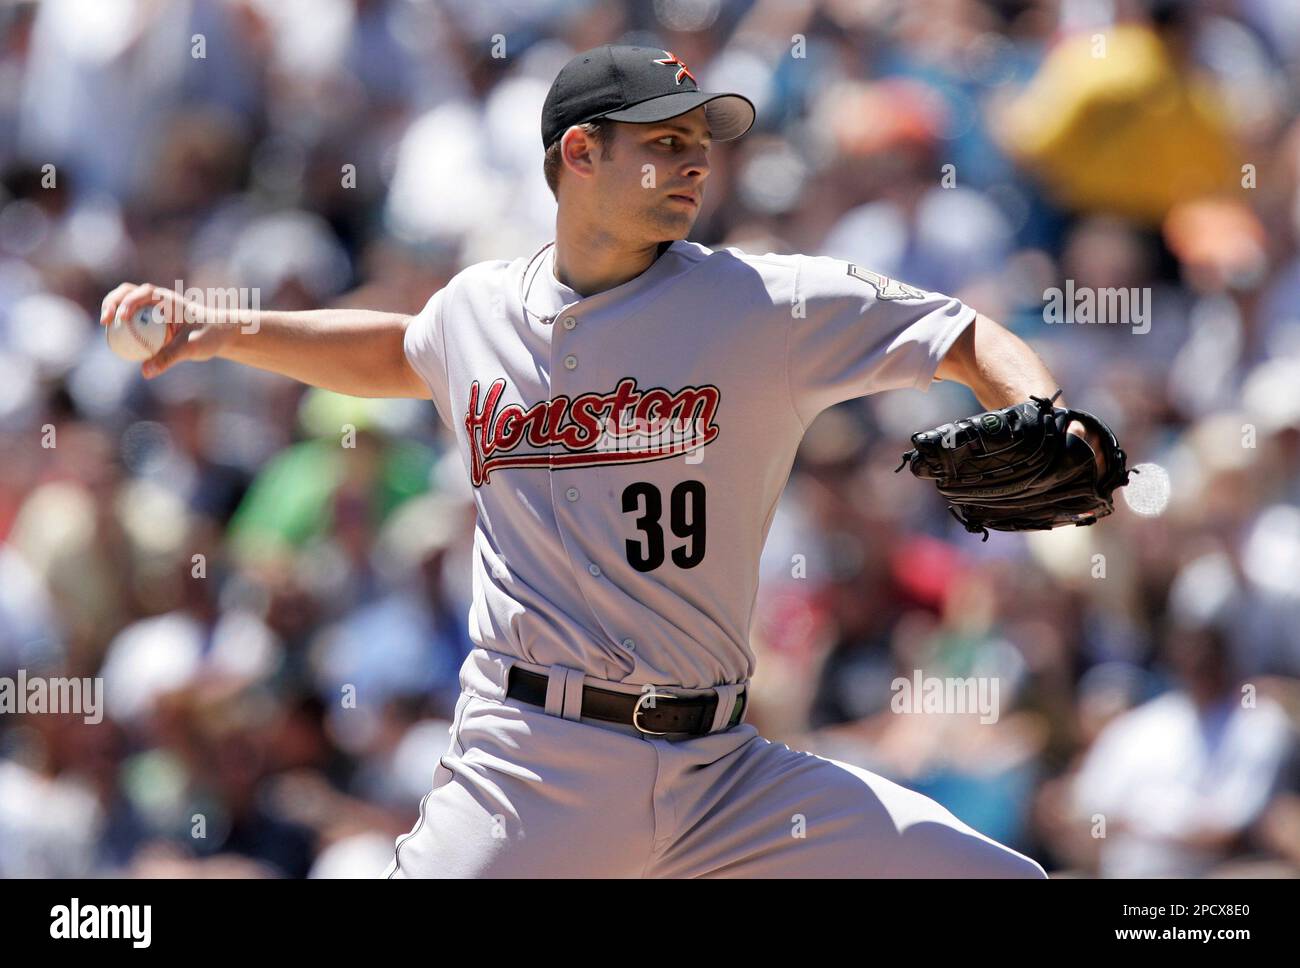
640, 85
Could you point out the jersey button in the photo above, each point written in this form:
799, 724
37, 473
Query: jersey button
570, 362
594, 569
571, 494
568, 322
629, 645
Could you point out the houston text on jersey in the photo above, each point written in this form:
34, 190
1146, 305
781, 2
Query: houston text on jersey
625, 426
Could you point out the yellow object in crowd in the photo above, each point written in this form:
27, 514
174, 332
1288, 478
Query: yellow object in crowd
1112, 123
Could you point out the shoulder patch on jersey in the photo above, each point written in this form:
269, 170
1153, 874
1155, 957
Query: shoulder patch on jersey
885, 287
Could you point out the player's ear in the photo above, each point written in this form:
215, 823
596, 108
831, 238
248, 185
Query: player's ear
577, 151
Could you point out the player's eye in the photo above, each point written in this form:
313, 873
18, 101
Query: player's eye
668, 138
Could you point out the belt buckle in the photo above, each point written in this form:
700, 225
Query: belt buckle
653, 695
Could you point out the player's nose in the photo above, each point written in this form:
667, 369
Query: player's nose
697, 164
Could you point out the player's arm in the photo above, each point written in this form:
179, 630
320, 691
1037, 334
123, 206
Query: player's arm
1001, 370
998, 366
354, 351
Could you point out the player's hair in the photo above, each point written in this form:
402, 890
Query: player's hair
598, 131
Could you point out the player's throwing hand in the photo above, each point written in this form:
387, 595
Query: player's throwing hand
193, 330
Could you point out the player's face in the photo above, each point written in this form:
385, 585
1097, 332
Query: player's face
653, 182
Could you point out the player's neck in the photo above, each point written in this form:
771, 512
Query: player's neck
591, 262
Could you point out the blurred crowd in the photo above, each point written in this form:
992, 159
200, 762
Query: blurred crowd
272, 581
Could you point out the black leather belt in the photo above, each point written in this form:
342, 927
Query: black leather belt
653, 712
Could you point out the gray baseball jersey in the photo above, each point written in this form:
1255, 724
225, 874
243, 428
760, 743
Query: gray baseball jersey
627, 449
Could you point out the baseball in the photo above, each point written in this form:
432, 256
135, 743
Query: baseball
1148, 493
138, 338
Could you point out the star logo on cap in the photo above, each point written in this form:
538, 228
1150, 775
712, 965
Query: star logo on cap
672, 60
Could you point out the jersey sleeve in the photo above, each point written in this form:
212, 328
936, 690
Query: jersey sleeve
426, 352
854, 332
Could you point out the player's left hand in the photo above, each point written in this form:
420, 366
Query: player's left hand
1029, 467
1093, 440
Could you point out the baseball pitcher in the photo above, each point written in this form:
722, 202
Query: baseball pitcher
628, 406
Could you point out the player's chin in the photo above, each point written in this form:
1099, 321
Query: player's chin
675, 222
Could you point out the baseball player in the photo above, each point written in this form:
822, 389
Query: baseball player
628, 406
